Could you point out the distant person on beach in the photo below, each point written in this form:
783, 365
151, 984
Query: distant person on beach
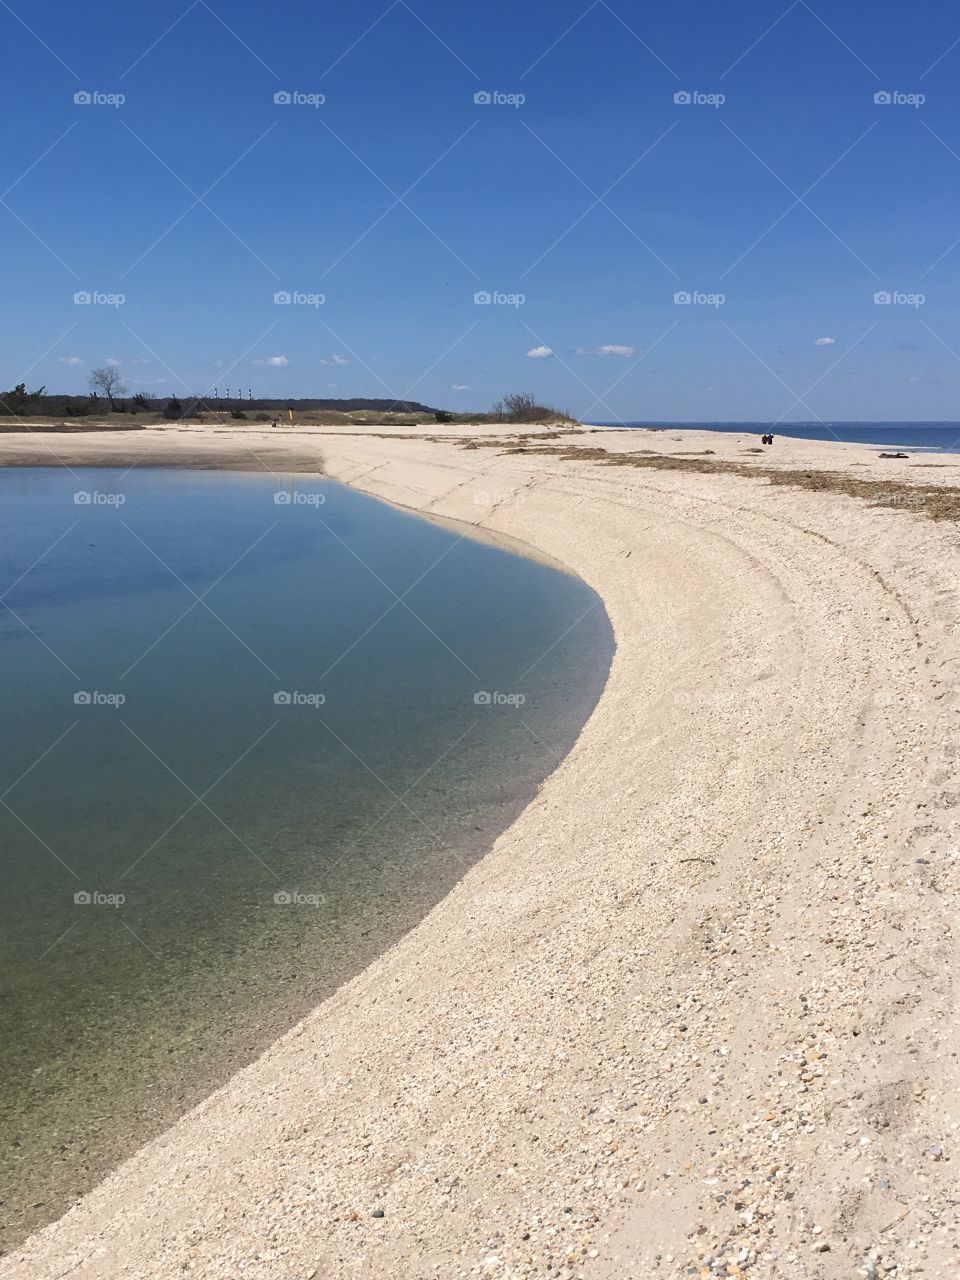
766, 439
273, 423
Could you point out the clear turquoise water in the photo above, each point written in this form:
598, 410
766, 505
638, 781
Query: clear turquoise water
243, 852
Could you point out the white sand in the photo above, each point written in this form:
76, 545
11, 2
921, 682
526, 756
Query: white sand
699, 1001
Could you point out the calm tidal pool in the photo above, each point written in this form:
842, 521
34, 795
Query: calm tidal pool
251, 729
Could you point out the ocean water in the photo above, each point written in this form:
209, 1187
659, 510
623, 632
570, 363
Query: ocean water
943, 437
252, 729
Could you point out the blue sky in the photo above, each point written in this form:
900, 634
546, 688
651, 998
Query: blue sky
780, 210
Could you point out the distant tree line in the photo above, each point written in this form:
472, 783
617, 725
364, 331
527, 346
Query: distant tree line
109, 395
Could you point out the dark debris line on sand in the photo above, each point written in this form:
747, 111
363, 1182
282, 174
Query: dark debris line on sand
933, 501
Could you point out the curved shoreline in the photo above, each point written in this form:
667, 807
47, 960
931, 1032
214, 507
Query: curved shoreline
56, 1149
566, 1066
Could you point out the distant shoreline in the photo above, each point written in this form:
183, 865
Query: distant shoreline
940, 437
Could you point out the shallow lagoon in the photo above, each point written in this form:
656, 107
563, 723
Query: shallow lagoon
253, 727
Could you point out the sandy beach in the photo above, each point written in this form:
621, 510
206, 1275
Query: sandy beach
695, 1012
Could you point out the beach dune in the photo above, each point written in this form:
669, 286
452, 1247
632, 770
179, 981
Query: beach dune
698, 1002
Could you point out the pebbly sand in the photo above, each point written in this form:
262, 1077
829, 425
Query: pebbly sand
695, 1012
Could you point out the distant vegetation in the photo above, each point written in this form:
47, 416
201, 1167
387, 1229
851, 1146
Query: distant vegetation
522, 406
108, 396
110, 403
107, 381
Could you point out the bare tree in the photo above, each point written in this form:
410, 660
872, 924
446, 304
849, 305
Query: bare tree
522, 406
108, 381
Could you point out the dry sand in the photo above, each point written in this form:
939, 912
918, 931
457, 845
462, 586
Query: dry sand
695, 1012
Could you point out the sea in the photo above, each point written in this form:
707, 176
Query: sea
937, 437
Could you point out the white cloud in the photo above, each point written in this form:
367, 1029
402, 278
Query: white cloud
70, 360
460, 386
609, 349
540, 353
337, 360
275, 362
825, 342
112, 361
